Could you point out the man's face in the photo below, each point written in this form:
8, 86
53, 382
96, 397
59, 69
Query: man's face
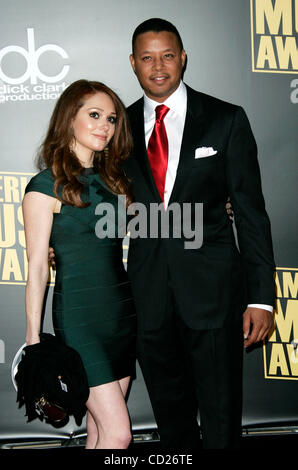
158, 62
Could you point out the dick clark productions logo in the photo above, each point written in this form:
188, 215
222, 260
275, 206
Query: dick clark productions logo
40, 85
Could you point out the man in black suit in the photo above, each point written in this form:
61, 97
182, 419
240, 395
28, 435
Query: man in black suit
190, 302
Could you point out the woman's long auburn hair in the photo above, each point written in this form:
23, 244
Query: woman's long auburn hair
55, 152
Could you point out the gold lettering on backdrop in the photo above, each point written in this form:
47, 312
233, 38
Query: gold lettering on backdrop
280, 352
287, 52
278, 360
2, 352
7, 226
280, 14
290, 284
11, 189
286, 323
274, 38
11, 266
266, 53
13, 258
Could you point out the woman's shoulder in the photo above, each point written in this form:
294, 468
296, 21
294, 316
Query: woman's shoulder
42, 182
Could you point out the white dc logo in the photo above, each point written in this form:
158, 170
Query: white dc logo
32, 56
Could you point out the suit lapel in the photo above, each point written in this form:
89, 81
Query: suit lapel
193, 131
137, 120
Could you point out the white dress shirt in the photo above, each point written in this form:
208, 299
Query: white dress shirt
174, 123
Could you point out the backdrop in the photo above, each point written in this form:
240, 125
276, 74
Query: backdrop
241, 51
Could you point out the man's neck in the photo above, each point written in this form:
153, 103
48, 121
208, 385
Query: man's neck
177, 101
175, 92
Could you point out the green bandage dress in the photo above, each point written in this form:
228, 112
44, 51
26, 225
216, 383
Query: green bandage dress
93, 309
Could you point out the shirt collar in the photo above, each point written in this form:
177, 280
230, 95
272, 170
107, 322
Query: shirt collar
176, 102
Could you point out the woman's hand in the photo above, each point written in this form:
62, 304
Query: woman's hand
52, 257
229, 209
30, 340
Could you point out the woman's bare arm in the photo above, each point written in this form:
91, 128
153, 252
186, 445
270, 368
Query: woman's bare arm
38, 211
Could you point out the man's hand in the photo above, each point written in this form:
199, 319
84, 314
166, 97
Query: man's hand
257, 323
52, 257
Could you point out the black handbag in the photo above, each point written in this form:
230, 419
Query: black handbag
52, 382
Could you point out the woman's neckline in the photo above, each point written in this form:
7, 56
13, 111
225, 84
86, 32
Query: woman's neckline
88, 171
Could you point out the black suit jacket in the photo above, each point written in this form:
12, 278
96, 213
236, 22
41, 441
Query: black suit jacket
213, 283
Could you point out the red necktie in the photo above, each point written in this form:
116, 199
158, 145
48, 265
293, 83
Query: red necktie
158, 150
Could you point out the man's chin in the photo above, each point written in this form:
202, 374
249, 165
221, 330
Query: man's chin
160, 92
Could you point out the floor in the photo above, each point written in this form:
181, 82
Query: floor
272, 443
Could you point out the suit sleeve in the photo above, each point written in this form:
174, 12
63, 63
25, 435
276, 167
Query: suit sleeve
251, 219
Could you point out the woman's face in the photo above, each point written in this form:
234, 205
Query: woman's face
93, 126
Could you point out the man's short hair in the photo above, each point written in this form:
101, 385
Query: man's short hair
157, 25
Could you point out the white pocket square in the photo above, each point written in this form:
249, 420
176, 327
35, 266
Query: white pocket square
202, 152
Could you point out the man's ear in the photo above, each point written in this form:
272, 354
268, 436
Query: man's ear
183, 57
132, 61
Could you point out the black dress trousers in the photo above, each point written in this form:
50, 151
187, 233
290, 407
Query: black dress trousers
188, 370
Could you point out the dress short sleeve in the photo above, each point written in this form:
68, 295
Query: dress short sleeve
43, 182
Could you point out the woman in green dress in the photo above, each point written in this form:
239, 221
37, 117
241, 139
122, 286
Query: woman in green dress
87, 141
